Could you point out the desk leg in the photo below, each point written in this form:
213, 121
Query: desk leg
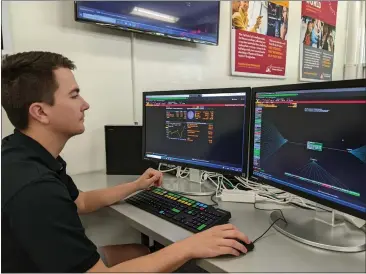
145, 240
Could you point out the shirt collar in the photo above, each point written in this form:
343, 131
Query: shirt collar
55, 164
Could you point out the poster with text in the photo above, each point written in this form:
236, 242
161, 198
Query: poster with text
317, 40
259, 38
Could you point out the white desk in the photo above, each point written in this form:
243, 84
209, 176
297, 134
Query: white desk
273, 253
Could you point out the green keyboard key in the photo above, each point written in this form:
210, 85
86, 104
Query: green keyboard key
202, 226
176, 210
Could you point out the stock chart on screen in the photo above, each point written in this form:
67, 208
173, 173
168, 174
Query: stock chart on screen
200, 129
314, 141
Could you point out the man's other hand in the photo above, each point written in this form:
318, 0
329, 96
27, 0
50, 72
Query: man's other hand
151, 177
216, 241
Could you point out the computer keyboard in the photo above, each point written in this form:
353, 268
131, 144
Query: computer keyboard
180, 210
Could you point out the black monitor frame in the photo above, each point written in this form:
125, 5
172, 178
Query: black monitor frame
248, 96
294, 87
150, 33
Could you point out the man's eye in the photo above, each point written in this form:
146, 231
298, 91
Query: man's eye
75, 96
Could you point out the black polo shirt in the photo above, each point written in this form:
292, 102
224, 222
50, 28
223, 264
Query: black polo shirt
40, 228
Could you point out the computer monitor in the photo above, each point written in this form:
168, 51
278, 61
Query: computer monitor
310, 140
203, 129
193, 21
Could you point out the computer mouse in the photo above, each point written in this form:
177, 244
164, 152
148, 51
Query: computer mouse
249, 246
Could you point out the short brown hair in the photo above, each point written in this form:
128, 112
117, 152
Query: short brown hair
27, 78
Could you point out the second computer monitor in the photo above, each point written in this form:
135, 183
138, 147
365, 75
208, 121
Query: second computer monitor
204, 129
310, 140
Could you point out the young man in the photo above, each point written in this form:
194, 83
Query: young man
41, 229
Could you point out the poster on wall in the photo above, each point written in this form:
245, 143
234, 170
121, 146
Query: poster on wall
259, 38
317, 40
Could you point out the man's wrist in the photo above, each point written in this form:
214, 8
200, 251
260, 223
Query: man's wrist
126, 189
135, 185
184, 251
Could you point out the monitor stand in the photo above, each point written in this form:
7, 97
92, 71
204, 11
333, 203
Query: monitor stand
320, 228
192, 185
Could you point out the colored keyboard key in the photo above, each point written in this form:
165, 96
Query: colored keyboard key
177, 209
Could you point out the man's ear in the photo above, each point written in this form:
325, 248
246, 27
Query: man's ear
38, 112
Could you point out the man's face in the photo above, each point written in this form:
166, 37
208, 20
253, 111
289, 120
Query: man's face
66, 116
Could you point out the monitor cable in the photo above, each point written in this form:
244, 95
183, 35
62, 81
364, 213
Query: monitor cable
269, 228
212, 199
166, 170
264, 209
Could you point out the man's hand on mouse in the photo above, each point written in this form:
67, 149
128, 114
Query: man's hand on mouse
216, 241
151, 177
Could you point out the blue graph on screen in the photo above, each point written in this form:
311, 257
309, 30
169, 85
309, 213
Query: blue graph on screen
360, 153
272, 140
316, 172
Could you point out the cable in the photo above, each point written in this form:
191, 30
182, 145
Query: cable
182, 173
183, 176
215, 203
270, 209
166, 170
273, 194
268, 229
275, 209
223, 178
264, 209
308, 207
212, 181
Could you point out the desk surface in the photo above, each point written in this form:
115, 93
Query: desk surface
273, 253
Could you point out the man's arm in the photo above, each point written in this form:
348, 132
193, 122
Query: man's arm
216, 241
93, 200
165, 260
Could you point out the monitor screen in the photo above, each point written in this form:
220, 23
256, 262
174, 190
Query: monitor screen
313, 141
196, 21
204, 129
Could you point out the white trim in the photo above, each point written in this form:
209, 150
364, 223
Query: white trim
355, 46
133, 79
361, 73
6, 30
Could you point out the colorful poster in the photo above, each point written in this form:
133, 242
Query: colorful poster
259, 38
317, 40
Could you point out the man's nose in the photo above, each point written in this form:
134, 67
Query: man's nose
86, 106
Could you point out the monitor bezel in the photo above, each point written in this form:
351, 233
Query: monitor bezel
293, 87
135, 30
248, 97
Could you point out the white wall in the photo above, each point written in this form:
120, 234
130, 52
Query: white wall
6, 126
103, 60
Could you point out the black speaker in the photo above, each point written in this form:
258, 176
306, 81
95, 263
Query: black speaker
123, 146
